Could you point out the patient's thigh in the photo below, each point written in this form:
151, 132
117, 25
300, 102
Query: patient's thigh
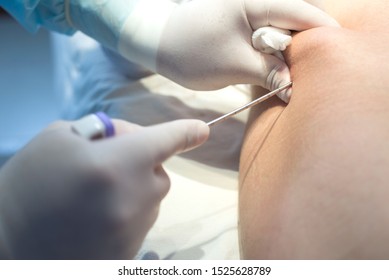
314, 175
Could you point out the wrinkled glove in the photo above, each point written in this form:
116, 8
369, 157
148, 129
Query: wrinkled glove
206, 44
65, 197
200, 44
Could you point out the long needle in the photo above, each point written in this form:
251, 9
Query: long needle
249, 105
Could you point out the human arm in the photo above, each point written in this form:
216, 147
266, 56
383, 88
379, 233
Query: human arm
200, 44
65, 197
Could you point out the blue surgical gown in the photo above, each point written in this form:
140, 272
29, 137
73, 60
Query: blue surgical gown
34, 13
101, 20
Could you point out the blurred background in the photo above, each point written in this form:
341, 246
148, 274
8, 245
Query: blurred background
27, 100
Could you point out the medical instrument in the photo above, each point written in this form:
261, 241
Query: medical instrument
94, 126
249, 105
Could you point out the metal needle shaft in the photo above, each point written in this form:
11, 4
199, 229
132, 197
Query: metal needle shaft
249, 105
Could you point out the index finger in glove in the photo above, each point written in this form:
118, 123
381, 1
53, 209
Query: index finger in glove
167, 139
292, 14
123, 127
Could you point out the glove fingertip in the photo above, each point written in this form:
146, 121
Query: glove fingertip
200, 134
285, 95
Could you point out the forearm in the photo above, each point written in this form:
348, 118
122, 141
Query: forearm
131, 27
102, 19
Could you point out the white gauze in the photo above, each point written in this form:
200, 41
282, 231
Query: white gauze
271, 40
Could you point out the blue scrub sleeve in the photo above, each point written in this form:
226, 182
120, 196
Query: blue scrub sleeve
100, 19
35, 13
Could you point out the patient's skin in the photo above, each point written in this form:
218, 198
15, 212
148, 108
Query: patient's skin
314, 176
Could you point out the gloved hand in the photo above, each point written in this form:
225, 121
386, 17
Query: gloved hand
65, 197
206, 44
200, 44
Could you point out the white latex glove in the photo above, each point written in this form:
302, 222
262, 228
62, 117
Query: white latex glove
206, 44
65, 197
200, 44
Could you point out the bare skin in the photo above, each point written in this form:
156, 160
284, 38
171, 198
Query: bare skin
314, 175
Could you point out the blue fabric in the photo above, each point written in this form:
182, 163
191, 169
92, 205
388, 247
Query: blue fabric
100, 19
35, 13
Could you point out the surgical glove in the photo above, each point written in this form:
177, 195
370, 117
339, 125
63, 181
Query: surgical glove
65, 197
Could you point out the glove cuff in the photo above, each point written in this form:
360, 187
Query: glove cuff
102, 20
141, 33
